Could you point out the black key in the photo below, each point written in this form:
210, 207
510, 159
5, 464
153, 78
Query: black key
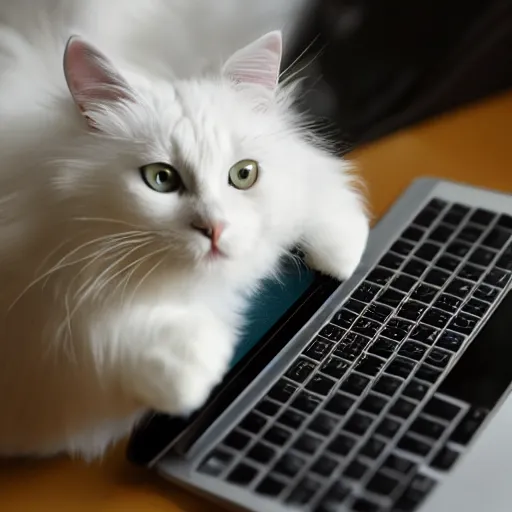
303, 492
289, 465
373, 404
450, 341
470, 272
344, 318
416, 390
320, 385
497, 238
415, 267
261, 453
307, 444
427, 251
411, 310
270, 487
438, 358
339, 404
282, 391
424, 293
300, 370
237, 440
400, 367
426, 217
365, 292
323, 424
267, 407
445, 459
391, 261
436, 277
341, 445
382, 484
364, 505
482, 256
277, 435
402, 408
398, 464
463, 323
481, 216
358, 424
455, 214
447, 263
441, 233
459, 249
332, 332
447, 303
215, 463
380, 276
388, 428
391, 298
436, 318
291, 418
424, 333
318, 349
351, 347
497, 277
372, 448
413, 234
397, 329
369, 365
387, 385
441, 409
402, 247
437, 204
411, 444
355, 384
354, 305
428, 374
505, 221
403, 283
253, 423
242, 474
335, 367
306, 402
414, 495
335, 496
324, 466
356, 470
366, 327
470, 233
469, 425
505, 260
378, 312
484, 292
412, 350
427, 428
383, 347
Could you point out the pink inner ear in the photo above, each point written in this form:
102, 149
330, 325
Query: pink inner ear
258, 63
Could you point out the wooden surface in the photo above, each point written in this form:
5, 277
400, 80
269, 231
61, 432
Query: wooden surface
473, 145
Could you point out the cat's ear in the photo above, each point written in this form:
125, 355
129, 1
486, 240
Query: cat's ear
257, 63
91, 77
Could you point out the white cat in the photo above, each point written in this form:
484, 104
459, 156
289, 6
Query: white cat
136, 216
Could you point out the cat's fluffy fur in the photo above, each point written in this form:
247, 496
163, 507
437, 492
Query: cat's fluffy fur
110, 302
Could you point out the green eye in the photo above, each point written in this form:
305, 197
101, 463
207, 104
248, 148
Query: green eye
161, 177
243, 174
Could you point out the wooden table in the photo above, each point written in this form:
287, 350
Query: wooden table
473, 145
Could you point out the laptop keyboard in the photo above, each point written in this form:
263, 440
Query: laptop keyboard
355, 422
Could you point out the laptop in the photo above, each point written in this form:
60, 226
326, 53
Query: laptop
387, 392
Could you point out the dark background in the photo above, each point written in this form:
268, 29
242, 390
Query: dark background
380, 65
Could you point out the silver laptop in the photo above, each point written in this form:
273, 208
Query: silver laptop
385, 393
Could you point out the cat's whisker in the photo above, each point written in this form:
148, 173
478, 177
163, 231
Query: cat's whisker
298, 58
108, 220
147, 274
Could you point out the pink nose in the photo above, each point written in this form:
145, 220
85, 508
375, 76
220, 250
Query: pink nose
212, 231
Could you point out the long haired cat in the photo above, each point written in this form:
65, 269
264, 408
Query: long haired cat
137, 215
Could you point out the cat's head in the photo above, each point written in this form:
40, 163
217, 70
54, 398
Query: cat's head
213, 169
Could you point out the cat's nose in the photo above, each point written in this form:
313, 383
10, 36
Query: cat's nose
213, 230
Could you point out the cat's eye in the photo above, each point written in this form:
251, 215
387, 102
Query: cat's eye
243, 174
161, 177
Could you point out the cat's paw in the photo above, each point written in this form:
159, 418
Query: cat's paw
177, 377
